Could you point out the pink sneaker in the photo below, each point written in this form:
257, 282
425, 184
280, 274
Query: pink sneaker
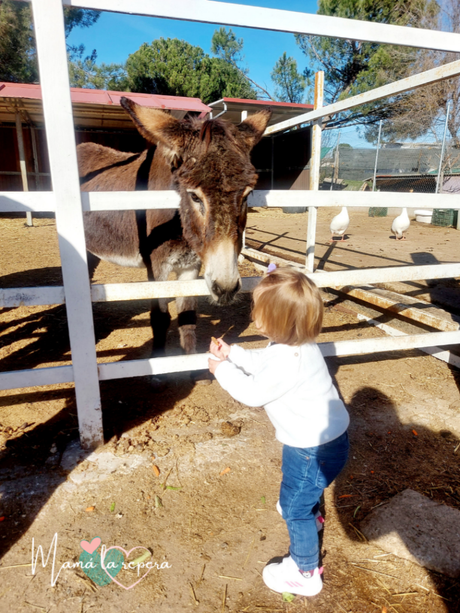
319, 518
287, 577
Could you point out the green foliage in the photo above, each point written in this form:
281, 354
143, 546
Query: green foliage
290, 85
352, 67
18, 55
225, 45
17, 45
79, 18
174, 67
423, 111
86, 73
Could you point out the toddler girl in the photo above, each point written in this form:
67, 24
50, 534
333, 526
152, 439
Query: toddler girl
290, 379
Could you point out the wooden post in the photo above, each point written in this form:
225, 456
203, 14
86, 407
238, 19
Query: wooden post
272, 173
22, 162
57, 110
315, 163
33, 138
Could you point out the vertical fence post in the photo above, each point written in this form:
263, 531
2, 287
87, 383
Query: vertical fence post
377, 156
22, 161
33, 138
335, 166
272, 173
315, 164
441, 159
377, 211
57, 110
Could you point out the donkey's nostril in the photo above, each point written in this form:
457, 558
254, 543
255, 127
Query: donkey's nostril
225, 296
235, 289
216, 289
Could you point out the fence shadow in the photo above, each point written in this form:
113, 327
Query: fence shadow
388, 456
444, 292
29, 473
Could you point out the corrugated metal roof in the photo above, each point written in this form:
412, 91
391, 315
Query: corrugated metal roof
231, 109
92, 108
249, 103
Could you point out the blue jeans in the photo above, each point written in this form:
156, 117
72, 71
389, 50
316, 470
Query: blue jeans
306, 473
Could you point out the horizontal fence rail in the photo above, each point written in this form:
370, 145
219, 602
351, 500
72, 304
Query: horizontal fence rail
440, 73
279, 21
185, 363
332, 198
17, 202
113, 292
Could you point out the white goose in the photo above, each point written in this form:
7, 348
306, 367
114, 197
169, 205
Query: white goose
339, 224
400, 225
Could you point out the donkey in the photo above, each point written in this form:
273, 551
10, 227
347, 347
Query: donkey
208, 163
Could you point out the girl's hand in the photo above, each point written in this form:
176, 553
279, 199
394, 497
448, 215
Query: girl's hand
220, 349
213, 364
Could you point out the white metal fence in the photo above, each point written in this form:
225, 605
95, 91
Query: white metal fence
68, 203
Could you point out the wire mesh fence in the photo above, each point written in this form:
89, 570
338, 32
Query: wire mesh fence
426, 166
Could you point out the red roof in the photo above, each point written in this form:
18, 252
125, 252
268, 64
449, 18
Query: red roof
248, 102
98, 96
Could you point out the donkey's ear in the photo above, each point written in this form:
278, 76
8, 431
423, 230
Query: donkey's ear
156, 126
253, 128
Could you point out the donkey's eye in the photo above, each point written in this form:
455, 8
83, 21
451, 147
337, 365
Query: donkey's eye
198, 201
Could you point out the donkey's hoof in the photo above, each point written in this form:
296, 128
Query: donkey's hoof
157, 384
201, 378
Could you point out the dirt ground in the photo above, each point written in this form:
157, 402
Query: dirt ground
194, 476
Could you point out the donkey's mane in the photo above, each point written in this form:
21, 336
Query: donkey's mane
211, 127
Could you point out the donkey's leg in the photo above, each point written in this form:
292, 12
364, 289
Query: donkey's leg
93, 262
160, 318
186, 313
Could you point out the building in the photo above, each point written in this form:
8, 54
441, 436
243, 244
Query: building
281, 159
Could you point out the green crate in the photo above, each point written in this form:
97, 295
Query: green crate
378, 211
444, 217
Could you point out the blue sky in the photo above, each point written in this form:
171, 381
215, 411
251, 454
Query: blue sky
115, 36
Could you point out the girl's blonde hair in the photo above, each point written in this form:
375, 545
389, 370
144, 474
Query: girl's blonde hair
288, 307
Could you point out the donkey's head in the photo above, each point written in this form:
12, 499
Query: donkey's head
212, 170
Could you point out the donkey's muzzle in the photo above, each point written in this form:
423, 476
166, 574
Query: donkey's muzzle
225, 295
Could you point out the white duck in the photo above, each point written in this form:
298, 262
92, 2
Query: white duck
400, 225
339, 224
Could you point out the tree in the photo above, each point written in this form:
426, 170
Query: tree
424, 110
86, 73
78, 18
227, 47
352, 67
174, 67
290, 85
18, 55
17, 45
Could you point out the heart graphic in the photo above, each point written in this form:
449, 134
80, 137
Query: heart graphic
104, 559
90, 547
92, 567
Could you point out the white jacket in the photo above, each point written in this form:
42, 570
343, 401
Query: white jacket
294, 386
